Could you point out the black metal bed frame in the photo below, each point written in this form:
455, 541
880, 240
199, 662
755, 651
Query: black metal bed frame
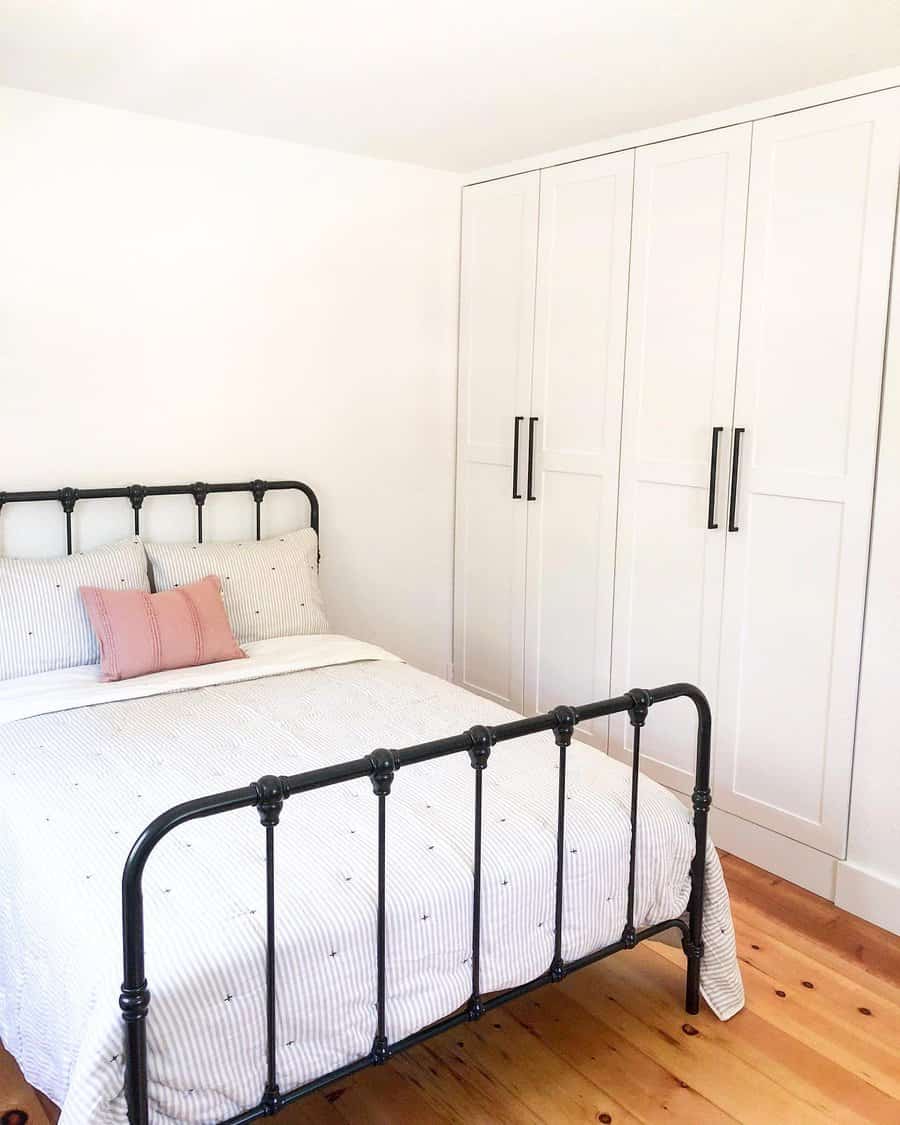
136, 494
268, 794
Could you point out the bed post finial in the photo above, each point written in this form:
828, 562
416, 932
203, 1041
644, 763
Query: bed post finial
68, 497
270, 798
382, 765
483, 738
640, 706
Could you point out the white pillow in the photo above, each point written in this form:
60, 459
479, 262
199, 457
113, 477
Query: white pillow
270, 587
43, 623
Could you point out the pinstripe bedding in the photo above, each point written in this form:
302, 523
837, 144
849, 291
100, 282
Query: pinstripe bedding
77, 785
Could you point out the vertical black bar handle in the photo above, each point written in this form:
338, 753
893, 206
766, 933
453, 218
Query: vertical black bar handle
516, 495
735, 467
713, 472
532, 422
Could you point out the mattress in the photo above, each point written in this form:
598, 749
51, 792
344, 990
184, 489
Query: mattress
85, 766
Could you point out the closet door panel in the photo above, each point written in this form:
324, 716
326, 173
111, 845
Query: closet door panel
684, 308
580, 316
499, 246
821, 215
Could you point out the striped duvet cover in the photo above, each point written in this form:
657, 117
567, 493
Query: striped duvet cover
77, 785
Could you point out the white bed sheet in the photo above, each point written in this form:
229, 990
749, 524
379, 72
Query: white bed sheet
84, 767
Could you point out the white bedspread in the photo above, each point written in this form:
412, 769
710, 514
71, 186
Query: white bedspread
80, 776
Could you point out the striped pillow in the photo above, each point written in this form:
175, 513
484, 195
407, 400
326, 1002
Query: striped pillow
271, 587
43, 623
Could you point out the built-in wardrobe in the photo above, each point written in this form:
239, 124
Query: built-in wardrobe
670, 370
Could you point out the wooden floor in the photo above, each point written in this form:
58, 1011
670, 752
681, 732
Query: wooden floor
818, 1041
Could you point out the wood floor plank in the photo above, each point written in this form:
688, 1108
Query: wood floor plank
501, 1045
817, 981
820, 922
833, 1087
631, 996
647, 1088
753, 918
372, 1097
612, 1043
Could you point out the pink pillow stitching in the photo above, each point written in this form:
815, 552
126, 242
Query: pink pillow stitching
195, 621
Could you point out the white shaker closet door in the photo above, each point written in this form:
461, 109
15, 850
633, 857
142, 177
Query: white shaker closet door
823, 196
500, 222
690, 203
575, 420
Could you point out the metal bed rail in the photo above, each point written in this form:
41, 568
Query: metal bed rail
136, 494
268, 795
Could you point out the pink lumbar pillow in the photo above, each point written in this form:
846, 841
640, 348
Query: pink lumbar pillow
140, 633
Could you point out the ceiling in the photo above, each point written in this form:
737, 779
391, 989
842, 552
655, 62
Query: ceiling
455, 84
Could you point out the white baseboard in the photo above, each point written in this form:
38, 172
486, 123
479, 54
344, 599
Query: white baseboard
785, 858
871, 896
788, 859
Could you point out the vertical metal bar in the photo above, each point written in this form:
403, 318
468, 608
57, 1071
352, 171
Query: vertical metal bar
382, 776
270, 957
637, 713
134, 996
476, 896
479, 752
271, 799
133, 1003
564, 725
380, 1031
136, 495
199, 491
635, 778
701, 800
67, 497
258, 490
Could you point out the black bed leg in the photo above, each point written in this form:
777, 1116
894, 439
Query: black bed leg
134, 1003
692, 993
701, 800
134, 997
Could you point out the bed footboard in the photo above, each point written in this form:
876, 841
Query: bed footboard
268, 795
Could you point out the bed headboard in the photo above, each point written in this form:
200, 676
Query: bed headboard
136, 494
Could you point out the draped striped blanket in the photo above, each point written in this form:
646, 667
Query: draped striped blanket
77, 785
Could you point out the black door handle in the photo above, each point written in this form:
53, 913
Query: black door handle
713, 472
516, 495
531, 424
735, 465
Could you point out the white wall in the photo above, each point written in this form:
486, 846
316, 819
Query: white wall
869, 882
180, 303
